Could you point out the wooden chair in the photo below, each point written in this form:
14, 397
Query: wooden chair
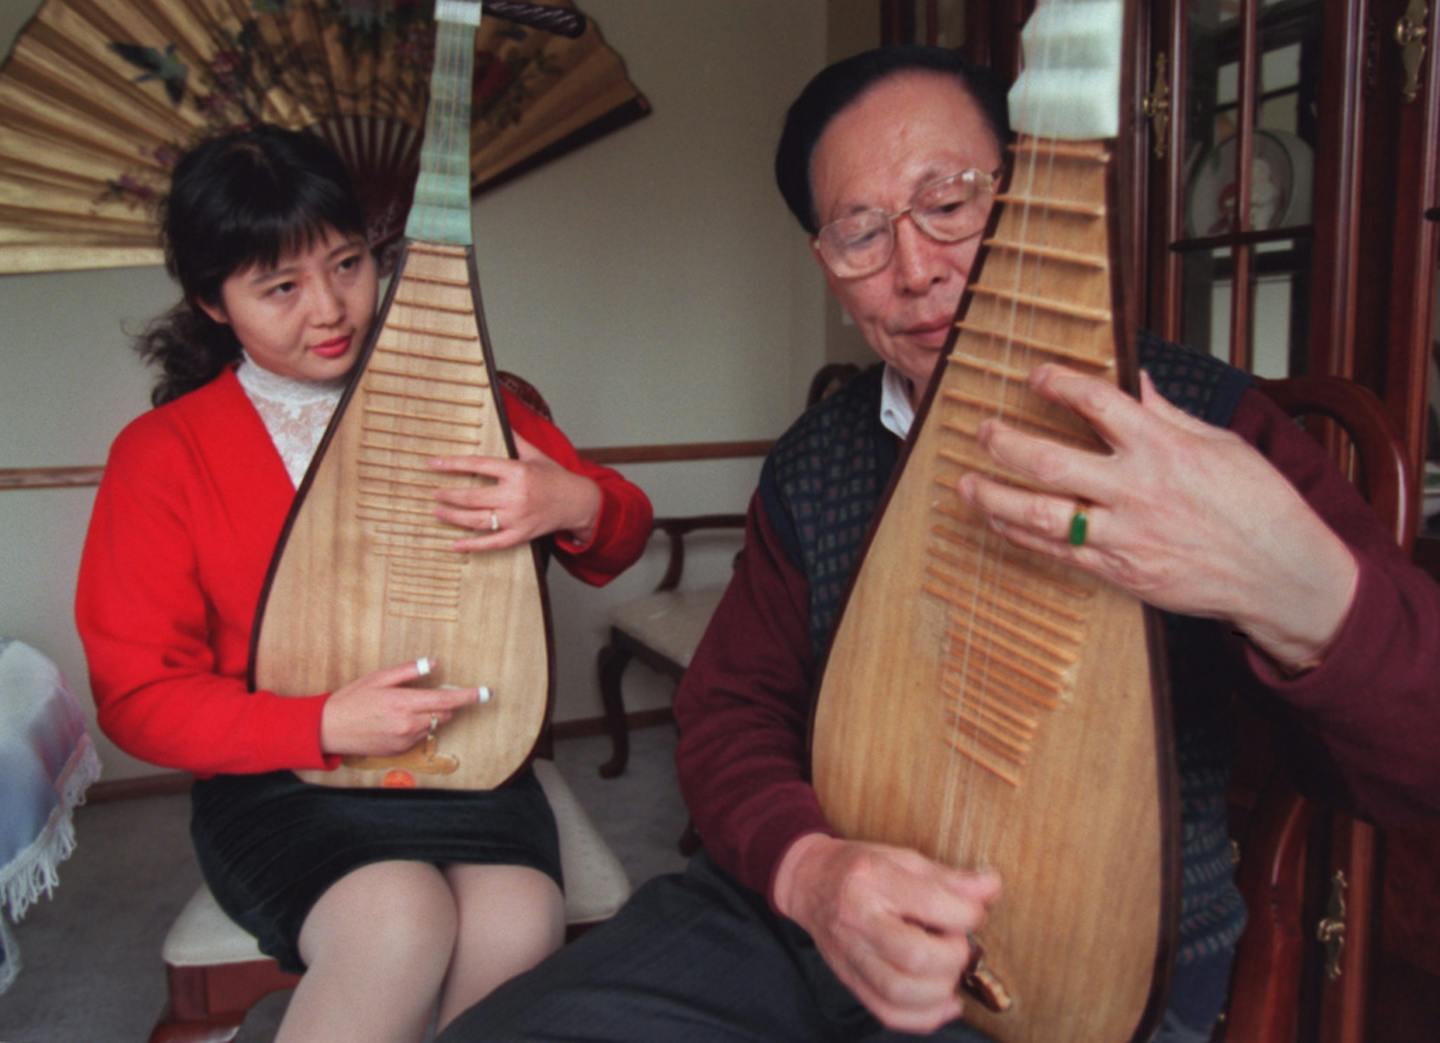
661, 629
215, 971
1303, 961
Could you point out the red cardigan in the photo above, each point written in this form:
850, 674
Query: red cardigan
188, 512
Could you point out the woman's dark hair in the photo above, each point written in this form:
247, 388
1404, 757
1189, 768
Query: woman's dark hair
834, 88
249, 197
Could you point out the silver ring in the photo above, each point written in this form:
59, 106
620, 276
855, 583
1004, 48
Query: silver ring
434, 723
494, 522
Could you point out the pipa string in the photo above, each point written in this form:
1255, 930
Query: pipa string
457, 65
974, 837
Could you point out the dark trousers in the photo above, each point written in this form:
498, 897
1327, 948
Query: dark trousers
691, 957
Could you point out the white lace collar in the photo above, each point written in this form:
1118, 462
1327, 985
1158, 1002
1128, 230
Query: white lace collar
295, 412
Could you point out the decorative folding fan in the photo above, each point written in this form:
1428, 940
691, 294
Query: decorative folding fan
97, 99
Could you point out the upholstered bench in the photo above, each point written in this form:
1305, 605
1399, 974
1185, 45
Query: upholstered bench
217, 972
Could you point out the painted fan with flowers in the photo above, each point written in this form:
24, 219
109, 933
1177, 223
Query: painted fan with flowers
97, 100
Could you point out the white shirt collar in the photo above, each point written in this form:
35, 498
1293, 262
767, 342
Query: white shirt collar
265, 383
896, 412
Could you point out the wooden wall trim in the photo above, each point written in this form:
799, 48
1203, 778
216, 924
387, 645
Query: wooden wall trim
48, 477
673, 452
160, 785
79, 477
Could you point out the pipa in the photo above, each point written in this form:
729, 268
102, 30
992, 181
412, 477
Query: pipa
363, 576
981, 703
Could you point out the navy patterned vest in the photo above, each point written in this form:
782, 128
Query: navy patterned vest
821, 487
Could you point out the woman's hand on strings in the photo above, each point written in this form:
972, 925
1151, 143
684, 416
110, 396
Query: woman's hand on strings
380, 714
524, 499
892, 924
1187, 516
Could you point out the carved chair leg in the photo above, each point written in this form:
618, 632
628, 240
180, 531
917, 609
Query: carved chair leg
612, 661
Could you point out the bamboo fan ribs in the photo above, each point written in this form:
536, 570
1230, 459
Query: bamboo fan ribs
982, 703
98, 99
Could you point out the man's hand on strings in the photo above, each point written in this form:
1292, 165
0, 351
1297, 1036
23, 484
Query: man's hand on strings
381, 714
524, 499
892, 924
1187, 516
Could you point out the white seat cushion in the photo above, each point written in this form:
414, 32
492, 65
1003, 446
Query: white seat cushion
595, 882
670, 621
595, 887
203, 935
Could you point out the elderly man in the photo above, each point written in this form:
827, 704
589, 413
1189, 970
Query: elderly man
1272, 573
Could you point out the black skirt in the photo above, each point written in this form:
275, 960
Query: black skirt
270, 845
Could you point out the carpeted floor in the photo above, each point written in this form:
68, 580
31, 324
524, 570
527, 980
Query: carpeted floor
91, 954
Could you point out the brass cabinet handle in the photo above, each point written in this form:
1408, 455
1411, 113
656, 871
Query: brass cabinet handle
1410, 35
1156, 105
1330, 931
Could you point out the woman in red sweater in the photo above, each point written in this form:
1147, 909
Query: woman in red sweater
387, 899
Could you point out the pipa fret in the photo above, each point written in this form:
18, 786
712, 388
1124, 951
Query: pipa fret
962, 590
964, 724
1070, 584
1026, 687
970, 567
1055, 207
1046, 253
1021, 696
1057, 352
1047, 149
954, 426
1037, 302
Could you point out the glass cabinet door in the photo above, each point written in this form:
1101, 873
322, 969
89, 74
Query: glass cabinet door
1240, 225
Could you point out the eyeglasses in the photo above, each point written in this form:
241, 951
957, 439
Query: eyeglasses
947, 210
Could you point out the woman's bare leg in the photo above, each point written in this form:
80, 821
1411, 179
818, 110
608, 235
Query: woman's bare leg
376, 947
511, 918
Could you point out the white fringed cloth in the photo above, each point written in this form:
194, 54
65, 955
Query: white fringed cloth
46, 763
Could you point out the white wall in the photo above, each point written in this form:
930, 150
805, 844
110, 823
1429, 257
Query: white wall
651, 285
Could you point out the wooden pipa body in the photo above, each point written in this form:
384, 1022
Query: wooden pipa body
364, 575
988, 707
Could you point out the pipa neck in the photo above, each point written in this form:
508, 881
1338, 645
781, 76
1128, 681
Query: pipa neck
441, 209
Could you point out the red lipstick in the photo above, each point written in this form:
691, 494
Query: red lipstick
333, 348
